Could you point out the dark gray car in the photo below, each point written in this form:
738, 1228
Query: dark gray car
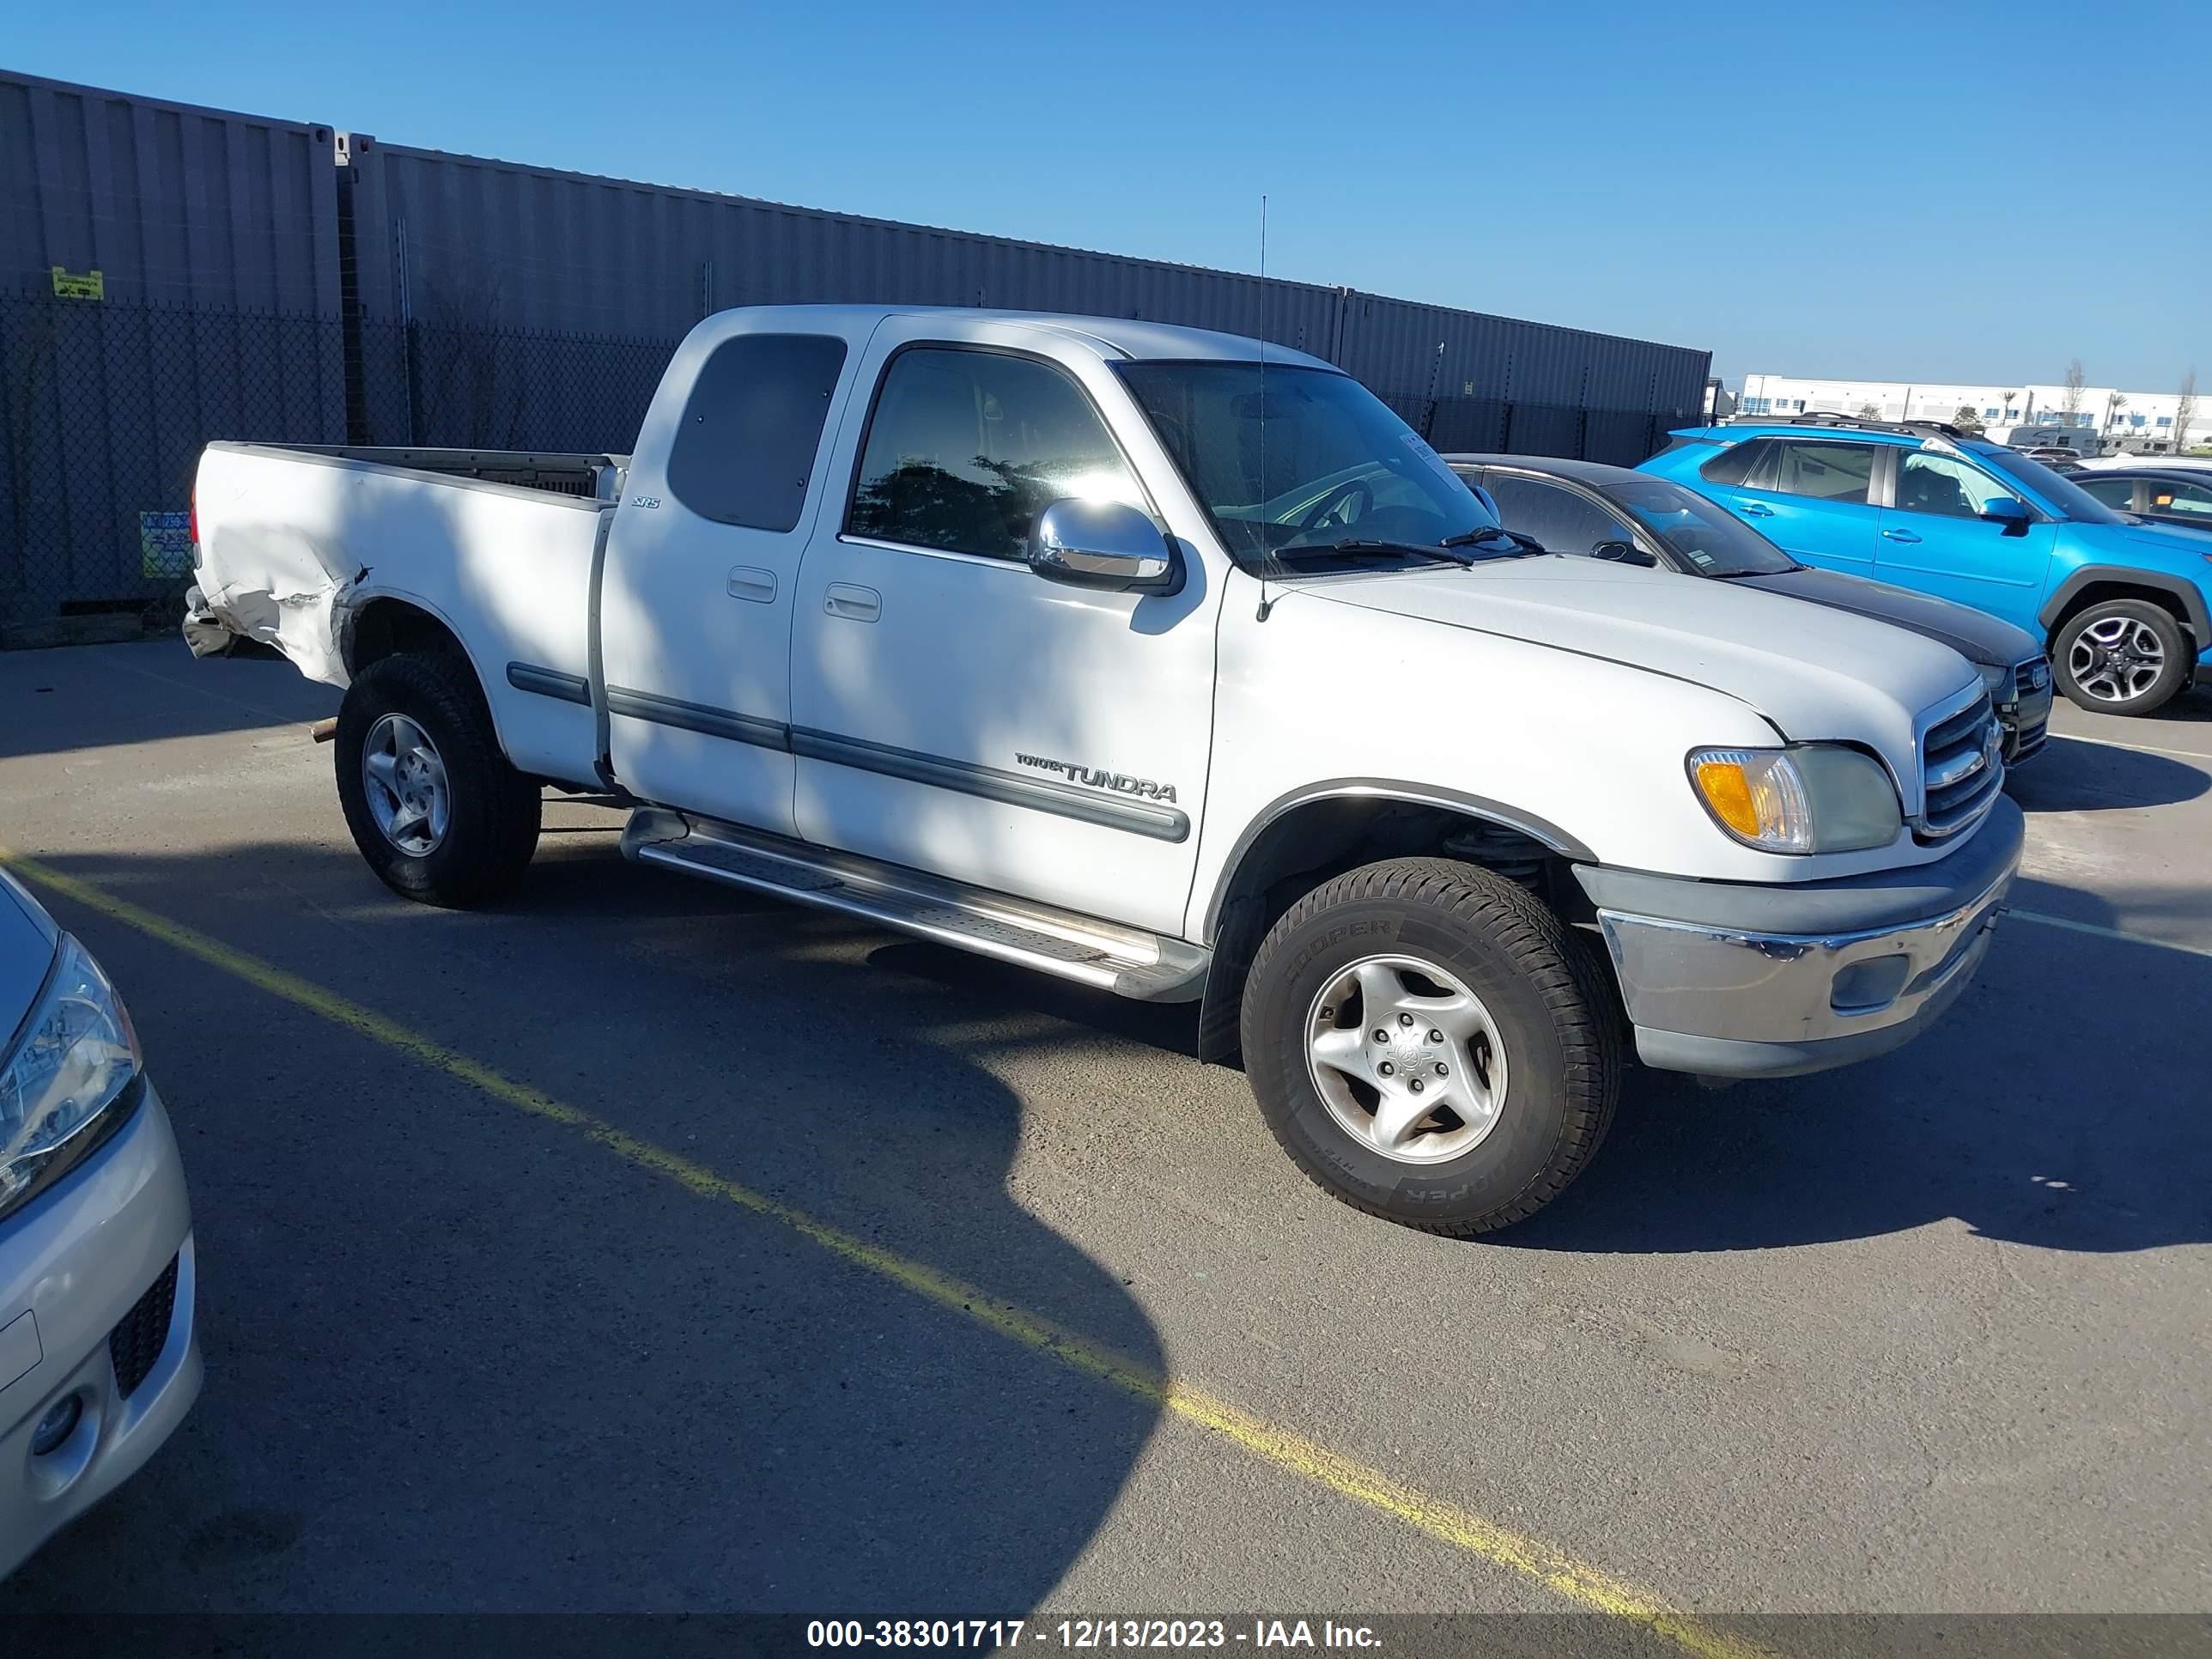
2177, 498
1614, 513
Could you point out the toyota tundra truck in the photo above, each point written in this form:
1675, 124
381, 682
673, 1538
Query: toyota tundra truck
1172, 664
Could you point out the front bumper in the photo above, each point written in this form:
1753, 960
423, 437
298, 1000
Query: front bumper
1731, 981
83, 1270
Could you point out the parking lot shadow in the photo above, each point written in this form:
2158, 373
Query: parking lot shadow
2073, 776
79, 697
2193, 706
2060, 1103
459, 1356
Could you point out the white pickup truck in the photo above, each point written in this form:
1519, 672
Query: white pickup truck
1172, 665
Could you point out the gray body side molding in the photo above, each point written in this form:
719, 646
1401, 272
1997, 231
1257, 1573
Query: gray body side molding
1153, 819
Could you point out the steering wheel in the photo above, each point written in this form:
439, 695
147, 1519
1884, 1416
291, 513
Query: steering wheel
1332, 506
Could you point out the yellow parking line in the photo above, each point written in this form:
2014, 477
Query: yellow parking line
2090, 928
1575, 1581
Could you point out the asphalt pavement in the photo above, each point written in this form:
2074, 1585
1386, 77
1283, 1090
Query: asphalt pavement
1928, 1334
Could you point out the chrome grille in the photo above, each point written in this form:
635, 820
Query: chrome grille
1961, 769
2028, 711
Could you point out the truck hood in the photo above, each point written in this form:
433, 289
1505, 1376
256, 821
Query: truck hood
1813, 670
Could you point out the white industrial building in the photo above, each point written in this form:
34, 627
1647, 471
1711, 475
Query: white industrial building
2123, 419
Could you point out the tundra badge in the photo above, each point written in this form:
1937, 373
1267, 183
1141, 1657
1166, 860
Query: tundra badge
1098, 779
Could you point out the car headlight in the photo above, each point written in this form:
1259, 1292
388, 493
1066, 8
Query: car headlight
1998, 677
1821, 797
68, 1079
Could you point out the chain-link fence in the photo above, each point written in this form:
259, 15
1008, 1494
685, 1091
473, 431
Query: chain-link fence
104, 409
482, 389
1497, 426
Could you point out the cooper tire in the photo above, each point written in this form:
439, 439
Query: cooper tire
2083, 656
488, 829
1557, 1050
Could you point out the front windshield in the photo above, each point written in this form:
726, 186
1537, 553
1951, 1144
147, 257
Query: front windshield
1714, 541
1286, 458
2054, 490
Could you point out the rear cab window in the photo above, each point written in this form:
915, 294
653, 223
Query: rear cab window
745, 450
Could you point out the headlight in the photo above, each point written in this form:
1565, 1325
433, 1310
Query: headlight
71, 1070
1822, 798
1997, 675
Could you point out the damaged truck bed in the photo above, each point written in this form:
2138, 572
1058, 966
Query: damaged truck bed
298, 544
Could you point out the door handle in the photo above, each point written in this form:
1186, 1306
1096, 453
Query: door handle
1899, 536
1754, 509
749, 582
852, 603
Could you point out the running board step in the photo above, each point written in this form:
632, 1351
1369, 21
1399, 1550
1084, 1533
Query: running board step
1124, 960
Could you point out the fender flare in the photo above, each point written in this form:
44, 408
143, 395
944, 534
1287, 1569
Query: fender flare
1548, 835
363, 593
1218, 1009
2191, 596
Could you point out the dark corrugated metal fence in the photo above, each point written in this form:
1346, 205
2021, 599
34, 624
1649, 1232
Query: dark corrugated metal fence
171, 275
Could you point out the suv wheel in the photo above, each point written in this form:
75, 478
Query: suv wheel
2122, 657
1429, 1045
434, 806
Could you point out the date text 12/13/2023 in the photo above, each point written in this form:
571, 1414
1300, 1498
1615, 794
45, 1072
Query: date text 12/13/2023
1111, 1634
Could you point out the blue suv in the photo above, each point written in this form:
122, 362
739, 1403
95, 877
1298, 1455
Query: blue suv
2126, 607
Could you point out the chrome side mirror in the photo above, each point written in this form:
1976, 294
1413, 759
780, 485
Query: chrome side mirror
1103, 544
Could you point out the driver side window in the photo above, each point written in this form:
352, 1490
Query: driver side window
1564, 522
1946, 487
965, 447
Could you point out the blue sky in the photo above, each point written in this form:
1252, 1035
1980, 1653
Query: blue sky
1921, 192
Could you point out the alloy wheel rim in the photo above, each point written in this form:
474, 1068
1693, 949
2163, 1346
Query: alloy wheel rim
403, 777
2117, 658
1407, 1059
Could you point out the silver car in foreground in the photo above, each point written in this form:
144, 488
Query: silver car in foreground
100, 1358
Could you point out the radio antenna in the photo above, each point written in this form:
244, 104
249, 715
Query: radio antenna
1266, 553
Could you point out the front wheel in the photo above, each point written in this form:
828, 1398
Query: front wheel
2123, 657
1428, 1044
434, 806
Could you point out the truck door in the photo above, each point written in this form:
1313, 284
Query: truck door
954, 711
702, 564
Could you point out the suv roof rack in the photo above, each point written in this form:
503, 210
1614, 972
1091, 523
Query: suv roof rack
1829, 417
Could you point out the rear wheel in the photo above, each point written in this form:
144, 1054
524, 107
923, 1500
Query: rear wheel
2122, 657
434, 806
1429, 1045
